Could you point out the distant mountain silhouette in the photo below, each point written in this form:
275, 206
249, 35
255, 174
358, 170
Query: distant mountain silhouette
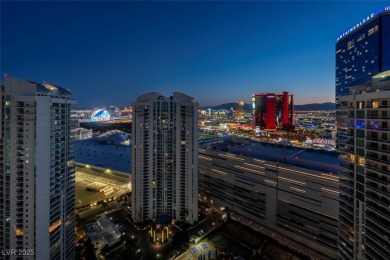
316, 106
307, 107
227, 106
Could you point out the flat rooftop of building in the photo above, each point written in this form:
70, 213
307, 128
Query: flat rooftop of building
319, 160
112, 156
104, 222
109, 232
118, 157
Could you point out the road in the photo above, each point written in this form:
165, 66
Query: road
212, 220
92, 212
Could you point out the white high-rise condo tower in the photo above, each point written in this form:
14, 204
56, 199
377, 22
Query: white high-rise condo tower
37, 196
165, 158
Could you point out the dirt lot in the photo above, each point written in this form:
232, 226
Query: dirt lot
243, 234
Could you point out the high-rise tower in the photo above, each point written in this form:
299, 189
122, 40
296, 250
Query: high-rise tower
240, 110
364, 137
273, 111
165, 158
37, 196
363, 123
363, 50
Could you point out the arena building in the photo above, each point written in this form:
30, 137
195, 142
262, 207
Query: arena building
100, 115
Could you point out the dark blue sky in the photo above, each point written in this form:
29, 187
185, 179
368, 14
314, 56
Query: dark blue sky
109, 53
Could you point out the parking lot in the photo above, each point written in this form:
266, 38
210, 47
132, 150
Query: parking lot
86, 197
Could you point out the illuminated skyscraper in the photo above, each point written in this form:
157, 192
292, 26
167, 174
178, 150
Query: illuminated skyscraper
273, 111
362, 102
37, 196
165, 158
363, 50
364, 137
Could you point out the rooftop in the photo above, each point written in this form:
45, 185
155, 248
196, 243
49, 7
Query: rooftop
29, 87
45, 87
319, 160
117, 157
105, 152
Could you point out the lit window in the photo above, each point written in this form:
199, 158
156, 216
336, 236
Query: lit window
360, 160
373, 30
54, 226
351, 44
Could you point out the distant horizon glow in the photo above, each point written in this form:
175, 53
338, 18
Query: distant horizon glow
110, 53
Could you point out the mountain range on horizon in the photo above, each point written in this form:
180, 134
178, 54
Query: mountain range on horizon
306, 107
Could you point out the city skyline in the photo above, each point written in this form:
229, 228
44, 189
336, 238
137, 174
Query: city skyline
216, 52
170, 177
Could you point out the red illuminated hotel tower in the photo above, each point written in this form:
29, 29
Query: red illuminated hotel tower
273, 111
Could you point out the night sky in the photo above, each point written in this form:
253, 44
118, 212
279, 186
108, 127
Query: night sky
109, 53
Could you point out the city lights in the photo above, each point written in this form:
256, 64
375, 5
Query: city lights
255, 143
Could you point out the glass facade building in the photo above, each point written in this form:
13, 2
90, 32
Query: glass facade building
363, 51
362, 111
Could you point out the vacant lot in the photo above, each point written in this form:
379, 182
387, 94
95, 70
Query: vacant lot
233, 237
228, 245
243, 234
272, 251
